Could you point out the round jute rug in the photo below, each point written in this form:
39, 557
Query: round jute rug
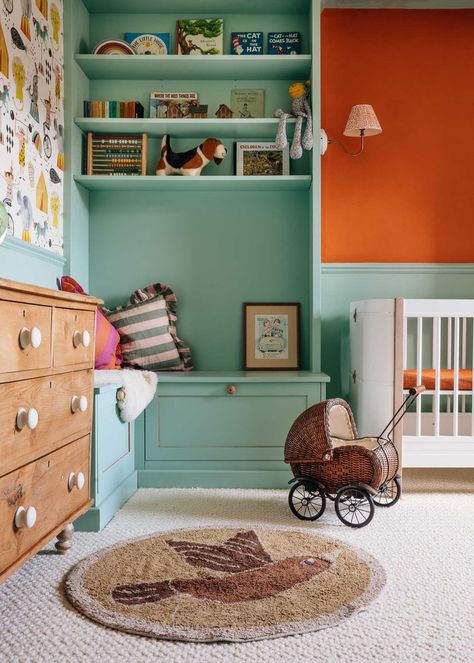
207, 585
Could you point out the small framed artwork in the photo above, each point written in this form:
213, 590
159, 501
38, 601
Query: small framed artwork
254, 158
271, 336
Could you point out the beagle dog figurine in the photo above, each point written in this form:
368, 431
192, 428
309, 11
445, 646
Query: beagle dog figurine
191, 162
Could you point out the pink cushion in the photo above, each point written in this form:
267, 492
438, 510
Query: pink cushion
107, 339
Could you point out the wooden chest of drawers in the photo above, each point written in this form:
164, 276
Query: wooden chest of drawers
46, 398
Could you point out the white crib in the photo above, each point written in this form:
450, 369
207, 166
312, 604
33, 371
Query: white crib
396, 344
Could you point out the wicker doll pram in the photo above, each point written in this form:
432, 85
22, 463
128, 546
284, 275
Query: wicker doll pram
328, 460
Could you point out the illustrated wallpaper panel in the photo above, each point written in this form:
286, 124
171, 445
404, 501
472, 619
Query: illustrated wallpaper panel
32, 120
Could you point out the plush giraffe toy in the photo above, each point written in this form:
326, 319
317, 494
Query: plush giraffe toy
300, 109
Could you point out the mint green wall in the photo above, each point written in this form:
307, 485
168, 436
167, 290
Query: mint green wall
344, 283
216, 251
76, 217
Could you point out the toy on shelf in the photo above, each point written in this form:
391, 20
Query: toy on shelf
224, 112
192, 161
300, 109
116, 155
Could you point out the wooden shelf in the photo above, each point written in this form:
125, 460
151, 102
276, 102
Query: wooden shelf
196, 184
196, 7
182, 67
262, 127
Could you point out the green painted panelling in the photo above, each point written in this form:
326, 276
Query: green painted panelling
216, 251
343, 284
21, 261
238, 422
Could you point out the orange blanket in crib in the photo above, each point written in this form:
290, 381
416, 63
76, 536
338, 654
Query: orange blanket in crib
428, 378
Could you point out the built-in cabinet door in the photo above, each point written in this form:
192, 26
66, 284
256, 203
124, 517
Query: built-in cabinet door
224, 421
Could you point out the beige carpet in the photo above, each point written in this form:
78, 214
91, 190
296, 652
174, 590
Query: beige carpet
425, 613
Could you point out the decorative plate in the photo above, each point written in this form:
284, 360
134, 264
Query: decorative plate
113, 47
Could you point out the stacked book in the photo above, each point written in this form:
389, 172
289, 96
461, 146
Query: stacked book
113, 109
116, 155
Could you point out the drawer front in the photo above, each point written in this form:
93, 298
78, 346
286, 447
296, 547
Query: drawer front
73, 337
42, 485
35, 321
46, 420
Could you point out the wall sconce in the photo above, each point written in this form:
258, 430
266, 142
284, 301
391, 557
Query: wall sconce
362, 122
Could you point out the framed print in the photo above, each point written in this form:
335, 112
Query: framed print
255, 158
271, 336
247, 104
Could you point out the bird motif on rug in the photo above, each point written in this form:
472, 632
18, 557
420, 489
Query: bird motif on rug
251, 573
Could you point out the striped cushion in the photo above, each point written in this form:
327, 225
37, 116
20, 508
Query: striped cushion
151, 291
145, 337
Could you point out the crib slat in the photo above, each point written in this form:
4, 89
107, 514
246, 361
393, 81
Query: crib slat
456, 378
464, 355
448, 359
436, 366
419, 365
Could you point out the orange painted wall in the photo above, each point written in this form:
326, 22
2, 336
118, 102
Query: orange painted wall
410, 196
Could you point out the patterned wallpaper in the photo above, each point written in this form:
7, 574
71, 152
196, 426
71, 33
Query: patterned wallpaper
32, 119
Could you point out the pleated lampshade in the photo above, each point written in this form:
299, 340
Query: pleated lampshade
362, 117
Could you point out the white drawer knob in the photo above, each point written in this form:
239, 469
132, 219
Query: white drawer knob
76, 480
81, 338
28, 418
79, 403
25, 517
30, 337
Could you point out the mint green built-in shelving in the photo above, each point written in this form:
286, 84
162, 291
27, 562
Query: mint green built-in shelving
179, 67
196, 184
196, 6
261, 127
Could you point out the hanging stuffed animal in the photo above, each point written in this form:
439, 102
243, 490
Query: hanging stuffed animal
301, 110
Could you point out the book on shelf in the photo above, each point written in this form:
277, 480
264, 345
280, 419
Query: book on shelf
247, 104
149, 43
246, 43
200, 36
111, 109
116, 155
284, 43
261, 158
176, 105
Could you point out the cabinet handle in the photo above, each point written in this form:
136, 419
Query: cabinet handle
354, 376
79, 404
231, 389
29, 337
81, 338
28, 418
25, 517
76, 480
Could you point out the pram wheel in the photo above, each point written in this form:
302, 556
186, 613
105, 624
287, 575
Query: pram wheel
389, 493
307, 501
354, 506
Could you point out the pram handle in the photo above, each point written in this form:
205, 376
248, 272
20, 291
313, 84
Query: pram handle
413, 394
419, 389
